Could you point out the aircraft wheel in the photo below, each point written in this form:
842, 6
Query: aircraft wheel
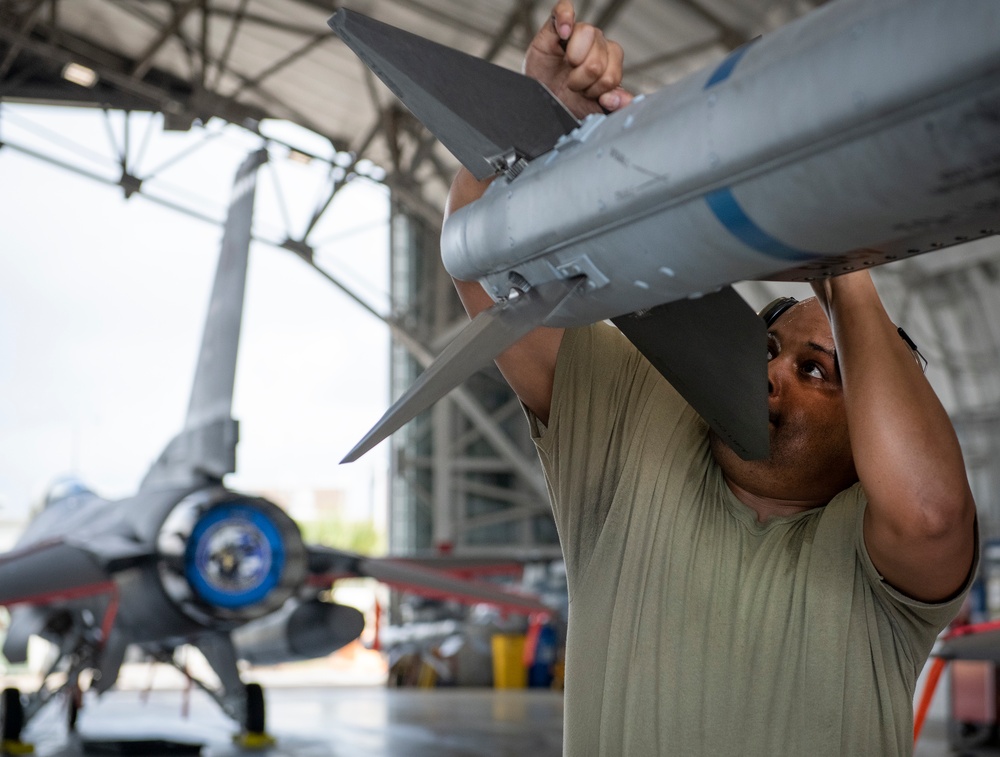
255, 708
11, 715
72, 708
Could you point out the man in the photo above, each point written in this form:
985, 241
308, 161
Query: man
720, 606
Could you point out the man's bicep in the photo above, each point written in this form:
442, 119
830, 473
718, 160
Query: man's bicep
530, 368
927, 566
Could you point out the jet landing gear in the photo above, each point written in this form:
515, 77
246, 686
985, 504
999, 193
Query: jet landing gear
12, 723
254, 735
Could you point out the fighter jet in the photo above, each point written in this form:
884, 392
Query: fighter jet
187, 560
863, 132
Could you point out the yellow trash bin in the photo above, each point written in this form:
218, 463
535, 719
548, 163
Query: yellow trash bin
508, 661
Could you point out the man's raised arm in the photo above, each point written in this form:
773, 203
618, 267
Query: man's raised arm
583, 69
919, 523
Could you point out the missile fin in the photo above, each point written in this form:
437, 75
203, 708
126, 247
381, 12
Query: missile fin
713, 350
489, 117
490, 333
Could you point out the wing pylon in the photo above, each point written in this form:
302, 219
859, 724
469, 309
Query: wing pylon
420, 579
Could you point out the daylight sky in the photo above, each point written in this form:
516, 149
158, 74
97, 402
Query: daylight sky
102, 302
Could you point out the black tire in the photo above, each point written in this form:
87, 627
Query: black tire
11, 715
72, 708
255, 708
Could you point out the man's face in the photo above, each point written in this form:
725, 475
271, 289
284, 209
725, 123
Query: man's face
810, 457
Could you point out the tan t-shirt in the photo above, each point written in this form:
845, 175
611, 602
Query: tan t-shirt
694, 629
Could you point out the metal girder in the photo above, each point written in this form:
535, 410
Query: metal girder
117, 89
468, 453
667, 58
606, 15
521, 15
729, 35
29, 19
145, 59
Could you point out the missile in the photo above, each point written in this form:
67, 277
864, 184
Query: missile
864, 132
298, 631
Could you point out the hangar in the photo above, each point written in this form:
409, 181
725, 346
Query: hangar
464, 477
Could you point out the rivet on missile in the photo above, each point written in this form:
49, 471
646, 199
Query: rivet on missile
667, 271
642, 285
630, 119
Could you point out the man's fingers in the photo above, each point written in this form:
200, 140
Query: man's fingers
610, 78
596, 62
576, 62
614, 100
563, 19
587, 56
557, 29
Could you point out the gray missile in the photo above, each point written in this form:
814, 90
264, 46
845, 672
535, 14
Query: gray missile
298, 631
864, 132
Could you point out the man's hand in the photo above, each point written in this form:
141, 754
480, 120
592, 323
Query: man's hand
577, 63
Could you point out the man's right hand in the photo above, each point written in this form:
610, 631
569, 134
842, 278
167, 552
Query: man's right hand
577, 63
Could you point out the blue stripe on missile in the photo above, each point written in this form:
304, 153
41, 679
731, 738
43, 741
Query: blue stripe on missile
723, 204
726, 67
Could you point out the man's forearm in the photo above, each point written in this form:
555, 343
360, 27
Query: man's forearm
903, 441
919, 523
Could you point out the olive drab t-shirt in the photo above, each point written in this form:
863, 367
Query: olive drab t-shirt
694, 629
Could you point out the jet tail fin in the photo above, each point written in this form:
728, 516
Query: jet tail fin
207, 445
486, 115
490, 333
713, 352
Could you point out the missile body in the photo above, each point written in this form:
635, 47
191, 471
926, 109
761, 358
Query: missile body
863, 126
864, 132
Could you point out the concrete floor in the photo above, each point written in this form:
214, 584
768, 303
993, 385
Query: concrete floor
327, 722
345, 721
